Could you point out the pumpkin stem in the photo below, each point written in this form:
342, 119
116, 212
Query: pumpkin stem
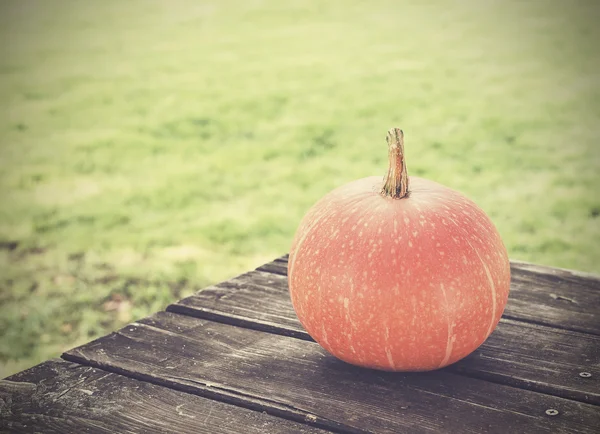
396, 180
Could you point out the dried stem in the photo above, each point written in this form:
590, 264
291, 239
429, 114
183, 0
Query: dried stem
396, 180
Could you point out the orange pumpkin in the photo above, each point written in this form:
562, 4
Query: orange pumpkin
399, 274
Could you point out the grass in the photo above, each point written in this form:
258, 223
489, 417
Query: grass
150, 148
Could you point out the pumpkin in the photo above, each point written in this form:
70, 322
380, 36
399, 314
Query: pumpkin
399, 274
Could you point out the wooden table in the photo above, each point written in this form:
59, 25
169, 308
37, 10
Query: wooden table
233, 358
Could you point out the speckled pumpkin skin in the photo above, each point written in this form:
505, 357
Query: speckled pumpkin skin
411, 284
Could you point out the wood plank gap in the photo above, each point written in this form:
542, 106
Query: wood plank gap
258, 325
278, 267
273, 270
238, 321
533, 386
237, 398
545, 324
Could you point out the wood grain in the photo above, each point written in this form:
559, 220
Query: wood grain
299, 380
58, 396
519, 354
559, 298
61, 397
555, 297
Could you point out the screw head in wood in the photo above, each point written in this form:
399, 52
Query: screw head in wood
551, 412
585, 374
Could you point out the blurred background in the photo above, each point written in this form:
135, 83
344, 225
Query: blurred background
150, 148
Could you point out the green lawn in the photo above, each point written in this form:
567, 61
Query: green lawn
149, 148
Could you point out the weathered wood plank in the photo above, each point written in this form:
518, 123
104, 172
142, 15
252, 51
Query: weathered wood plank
298, 379
555, 297
59, 396
529, 356
252, 299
